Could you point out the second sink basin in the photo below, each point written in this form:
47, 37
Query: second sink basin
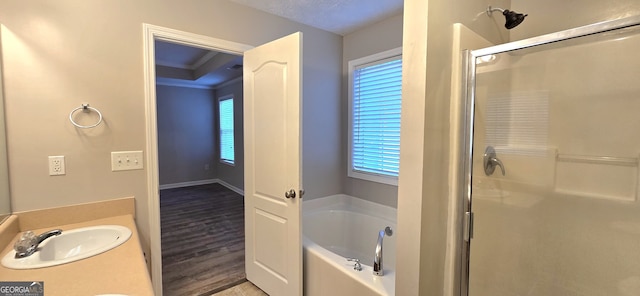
71, 245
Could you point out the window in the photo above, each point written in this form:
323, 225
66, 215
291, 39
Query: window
227, 152
374, 119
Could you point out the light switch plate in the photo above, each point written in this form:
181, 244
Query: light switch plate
126, 160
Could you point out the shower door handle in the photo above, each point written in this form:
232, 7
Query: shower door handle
490, 161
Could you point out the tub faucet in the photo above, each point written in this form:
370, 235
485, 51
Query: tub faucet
29, 242
377, 260
356, 266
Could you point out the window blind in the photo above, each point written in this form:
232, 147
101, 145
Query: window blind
376, 117
226, 130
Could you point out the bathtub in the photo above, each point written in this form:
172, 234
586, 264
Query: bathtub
339, 227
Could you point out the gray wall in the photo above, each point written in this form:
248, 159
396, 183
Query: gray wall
321, 123
234, 175
186, 134
188, 137
379, 37
322, 161
325, 125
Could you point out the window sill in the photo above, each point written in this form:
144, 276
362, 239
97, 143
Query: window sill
388, 180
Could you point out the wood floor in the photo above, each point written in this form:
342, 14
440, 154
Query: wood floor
202, 240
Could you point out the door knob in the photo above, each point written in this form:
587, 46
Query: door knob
290, 194
490, 161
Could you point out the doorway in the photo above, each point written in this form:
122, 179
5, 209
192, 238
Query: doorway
153, 34
273, 78
200, 160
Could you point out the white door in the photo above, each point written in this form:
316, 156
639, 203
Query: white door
272, 141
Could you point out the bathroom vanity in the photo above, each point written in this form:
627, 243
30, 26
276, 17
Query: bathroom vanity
121, 270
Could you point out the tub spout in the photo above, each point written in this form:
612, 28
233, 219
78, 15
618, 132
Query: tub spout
377, 259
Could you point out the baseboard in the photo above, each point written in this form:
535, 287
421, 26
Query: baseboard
230, 187
187, 184
202, 182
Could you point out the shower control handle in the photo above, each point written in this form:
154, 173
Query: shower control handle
496, 162
490, 161
290, 194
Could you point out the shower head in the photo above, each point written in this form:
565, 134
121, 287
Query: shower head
512, 18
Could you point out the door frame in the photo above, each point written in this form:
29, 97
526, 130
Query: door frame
469, 88
152, 33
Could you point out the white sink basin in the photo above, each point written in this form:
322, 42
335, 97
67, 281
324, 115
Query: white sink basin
71, 245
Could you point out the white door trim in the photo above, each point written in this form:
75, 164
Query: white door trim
152, 33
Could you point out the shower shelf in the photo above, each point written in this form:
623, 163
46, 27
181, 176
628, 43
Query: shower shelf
625, 161
601, 177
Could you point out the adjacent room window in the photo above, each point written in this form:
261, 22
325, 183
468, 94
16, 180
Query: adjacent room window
375, 93
227, 152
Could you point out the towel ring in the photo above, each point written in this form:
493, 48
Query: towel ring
85, 108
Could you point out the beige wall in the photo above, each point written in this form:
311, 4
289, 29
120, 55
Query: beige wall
61, 53
373, 39
186, 134
423, 189
548, 16
5, 198
233, 175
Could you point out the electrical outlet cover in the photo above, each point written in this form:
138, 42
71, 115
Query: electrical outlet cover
56, 165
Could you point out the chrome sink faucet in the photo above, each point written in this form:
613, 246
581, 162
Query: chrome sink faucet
377, 260
29, 242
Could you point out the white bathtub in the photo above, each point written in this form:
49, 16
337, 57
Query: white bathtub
339, 227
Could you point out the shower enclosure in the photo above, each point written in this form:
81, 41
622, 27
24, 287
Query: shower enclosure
552, 175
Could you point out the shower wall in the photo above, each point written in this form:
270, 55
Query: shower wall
583, 105
564, 220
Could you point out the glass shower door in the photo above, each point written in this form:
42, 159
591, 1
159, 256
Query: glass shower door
555, 169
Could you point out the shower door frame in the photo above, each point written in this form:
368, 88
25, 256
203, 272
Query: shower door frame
468, 91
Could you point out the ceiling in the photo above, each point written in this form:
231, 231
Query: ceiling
181, 65
338, 16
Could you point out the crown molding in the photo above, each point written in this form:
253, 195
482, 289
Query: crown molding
228, 82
